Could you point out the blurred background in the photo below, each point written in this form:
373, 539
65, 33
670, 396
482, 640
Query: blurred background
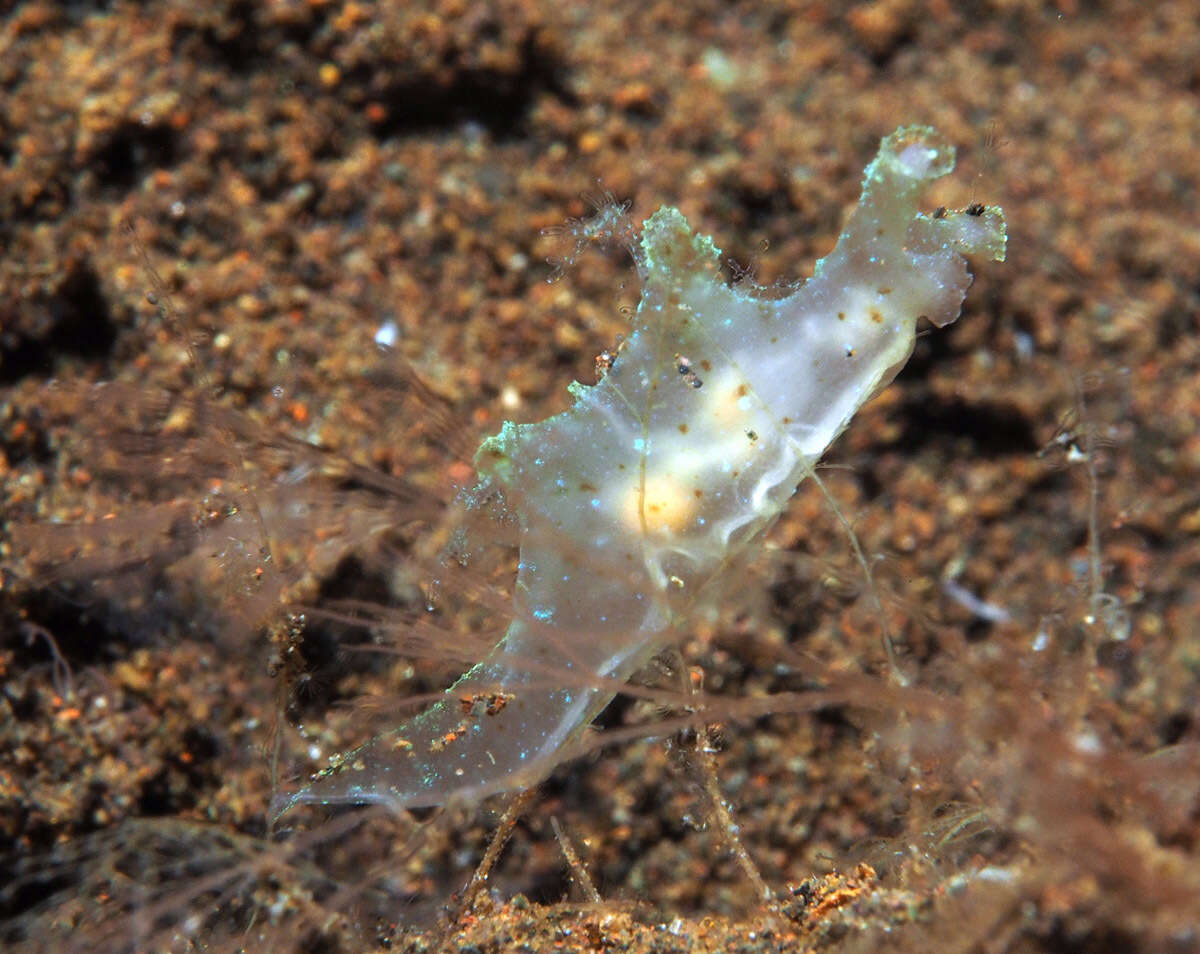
269, 270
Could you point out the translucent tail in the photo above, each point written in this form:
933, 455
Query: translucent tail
503, 726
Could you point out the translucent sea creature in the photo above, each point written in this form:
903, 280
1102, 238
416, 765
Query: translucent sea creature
665, 473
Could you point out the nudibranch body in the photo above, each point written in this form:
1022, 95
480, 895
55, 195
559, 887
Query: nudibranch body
664, 473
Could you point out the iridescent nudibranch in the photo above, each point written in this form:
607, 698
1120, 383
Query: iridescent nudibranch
667, 471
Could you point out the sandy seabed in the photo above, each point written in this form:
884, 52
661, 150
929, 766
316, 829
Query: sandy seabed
302, 176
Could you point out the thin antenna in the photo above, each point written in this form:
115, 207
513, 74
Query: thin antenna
992, 141
580, 873
1095, 572
504, 829
889, 647
283, 633
161, 299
